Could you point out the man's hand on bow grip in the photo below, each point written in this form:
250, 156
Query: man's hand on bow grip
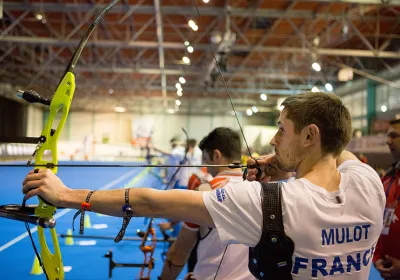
45, 184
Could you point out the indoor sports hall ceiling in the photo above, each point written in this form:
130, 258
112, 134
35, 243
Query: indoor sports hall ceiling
134, 58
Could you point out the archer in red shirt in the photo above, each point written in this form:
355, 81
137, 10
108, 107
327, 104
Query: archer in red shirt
387, 252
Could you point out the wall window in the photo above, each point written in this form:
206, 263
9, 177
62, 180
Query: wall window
357, 105
387, 97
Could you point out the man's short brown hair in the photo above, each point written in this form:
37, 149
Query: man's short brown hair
327, 112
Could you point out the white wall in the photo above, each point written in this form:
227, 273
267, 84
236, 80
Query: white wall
118, 126
167, 126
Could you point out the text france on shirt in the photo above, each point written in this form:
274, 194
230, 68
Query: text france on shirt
340, 264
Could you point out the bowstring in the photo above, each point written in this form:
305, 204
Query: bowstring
233, 107
223, 80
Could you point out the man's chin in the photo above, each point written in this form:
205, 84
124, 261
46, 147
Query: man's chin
285, 168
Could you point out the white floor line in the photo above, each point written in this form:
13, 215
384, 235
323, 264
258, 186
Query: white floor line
65, 211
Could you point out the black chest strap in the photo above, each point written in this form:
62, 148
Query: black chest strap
271, 258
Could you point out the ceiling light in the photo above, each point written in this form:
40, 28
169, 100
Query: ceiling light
178, 86
195, 27
111, 91
216, 37
206, 1
190, 49
182, 80
345, 74
263, 97
179, 93
345, 29
316, 41
186, 60
255, 109
187, 43
314, 89
178, 102
316, 66
249, 112
39, 17
383, 108
170, 111
328, 87
120, 109
191, 23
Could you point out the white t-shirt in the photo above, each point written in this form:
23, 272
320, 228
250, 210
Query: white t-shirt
193, 158
210, 250
178, 154
331, 238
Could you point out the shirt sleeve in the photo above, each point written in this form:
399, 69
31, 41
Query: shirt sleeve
357, 168
236, 212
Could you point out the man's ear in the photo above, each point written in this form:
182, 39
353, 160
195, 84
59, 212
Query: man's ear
311, 134
217, 155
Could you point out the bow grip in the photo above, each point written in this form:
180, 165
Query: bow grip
44, 200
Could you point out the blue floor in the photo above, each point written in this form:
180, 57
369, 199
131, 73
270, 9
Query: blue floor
87, 262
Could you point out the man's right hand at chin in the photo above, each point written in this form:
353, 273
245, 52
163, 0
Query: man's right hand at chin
45, 184
269, 168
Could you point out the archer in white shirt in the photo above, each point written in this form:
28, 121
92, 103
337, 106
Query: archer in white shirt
333, 210
214, 259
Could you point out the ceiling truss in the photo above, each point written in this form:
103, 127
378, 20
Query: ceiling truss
135, 55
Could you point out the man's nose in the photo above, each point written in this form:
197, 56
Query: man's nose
273, 142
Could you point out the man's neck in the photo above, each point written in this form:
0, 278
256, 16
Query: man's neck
225, 169
321, 171
232, 170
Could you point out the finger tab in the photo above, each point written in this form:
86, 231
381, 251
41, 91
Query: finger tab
259, 173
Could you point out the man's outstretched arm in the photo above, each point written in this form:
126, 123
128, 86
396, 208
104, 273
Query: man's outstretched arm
176, 205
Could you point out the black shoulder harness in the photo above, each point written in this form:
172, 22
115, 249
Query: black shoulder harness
271, 258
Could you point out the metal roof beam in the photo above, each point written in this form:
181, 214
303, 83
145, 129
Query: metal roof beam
360, 2
156, 71
173, 45
190, 11
160, 41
